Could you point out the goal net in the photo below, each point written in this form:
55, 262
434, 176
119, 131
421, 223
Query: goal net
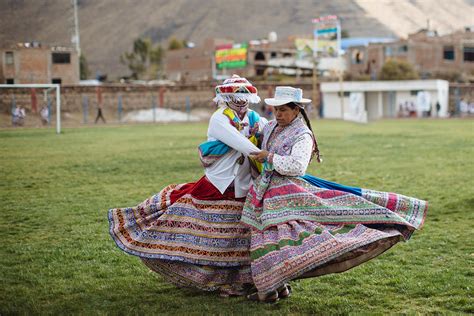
41, 100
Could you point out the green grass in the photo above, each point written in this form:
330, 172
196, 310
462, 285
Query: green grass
56, 256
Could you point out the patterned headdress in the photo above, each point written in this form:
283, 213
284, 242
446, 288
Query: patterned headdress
236, 89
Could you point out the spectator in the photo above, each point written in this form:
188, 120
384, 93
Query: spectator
44, 114
463, 108
19, 115
99, 114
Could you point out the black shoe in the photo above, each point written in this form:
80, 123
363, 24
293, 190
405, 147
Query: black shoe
284, 291
270, 298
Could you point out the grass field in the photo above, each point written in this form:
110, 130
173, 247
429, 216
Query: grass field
57, 257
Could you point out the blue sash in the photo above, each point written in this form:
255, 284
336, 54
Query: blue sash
321, 183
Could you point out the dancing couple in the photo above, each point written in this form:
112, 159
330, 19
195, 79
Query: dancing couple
256, 221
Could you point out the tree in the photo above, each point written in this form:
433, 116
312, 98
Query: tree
83, 68
344, 34
394, 69
174, 43
144, 60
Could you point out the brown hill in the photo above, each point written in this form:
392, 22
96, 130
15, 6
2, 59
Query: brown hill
108, 27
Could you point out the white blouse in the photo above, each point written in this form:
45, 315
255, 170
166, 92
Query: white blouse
226, 170
297, 162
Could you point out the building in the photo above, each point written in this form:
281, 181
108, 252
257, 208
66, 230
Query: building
364, 101
192, 64
265, 58
34, 63
431, 55
262, 58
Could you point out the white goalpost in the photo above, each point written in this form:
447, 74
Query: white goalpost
43, 86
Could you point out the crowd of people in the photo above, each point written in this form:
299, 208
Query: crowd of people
466, 108
256, 220
19, 116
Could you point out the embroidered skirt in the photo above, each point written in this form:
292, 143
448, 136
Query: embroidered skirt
191, 234
305, 227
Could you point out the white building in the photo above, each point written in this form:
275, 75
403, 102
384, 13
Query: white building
363, 101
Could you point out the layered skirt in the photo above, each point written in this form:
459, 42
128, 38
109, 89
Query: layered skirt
287, 228
189, 233
306, 227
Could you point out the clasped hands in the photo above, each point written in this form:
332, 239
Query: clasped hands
260, 156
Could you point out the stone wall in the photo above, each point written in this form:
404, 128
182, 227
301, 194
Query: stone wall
134, 97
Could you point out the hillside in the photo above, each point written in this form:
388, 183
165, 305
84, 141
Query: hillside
108, 27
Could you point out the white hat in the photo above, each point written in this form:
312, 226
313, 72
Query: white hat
285, 95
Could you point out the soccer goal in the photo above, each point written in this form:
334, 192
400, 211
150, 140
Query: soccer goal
45, 111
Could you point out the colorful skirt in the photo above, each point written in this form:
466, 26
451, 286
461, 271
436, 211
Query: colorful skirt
306, 227
189, 233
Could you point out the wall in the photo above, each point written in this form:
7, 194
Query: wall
332, 105
134, 97
372, 105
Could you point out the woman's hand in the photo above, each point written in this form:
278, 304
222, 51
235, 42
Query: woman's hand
260, 156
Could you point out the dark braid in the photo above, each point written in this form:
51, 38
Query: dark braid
308, 123
316, 148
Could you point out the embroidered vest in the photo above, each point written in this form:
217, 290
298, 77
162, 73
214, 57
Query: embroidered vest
280, 142
283, 142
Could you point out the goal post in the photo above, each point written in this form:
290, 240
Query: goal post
43, 86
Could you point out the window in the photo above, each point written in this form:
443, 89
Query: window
468, 52
259, 56
56, 80
414, 92
61, 58
260, 71
357, 57
273, 54
403, 49
448, 52
9, 58
10, 81
388, 51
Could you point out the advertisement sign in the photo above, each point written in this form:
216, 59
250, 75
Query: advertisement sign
327, 31
231, 56
304, 47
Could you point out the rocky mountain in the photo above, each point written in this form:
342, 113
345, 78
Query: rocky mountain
108, 27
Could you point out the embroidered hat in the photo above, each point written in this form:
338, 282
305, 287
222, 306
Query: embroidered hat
285, 95
236, 89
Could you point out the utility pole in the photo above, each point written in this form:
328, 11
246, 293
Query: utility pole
341, 72
324, 26
315, 94
76, 38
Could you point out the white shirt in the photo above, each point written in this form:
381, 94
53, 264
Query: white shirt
226, 170
297, 162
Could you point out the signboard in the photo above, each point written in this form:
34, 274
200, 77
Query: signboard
327, 32
305, 47
231, 56
331, 30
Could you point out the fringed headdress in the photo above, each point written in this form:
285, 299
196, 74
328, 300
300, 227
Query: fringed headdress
236, 90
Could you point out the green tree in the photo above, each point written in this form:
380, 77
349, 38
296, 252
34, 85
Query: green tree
394, 69
83, 68
174, 43
144, 60
156, 57
344, 34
